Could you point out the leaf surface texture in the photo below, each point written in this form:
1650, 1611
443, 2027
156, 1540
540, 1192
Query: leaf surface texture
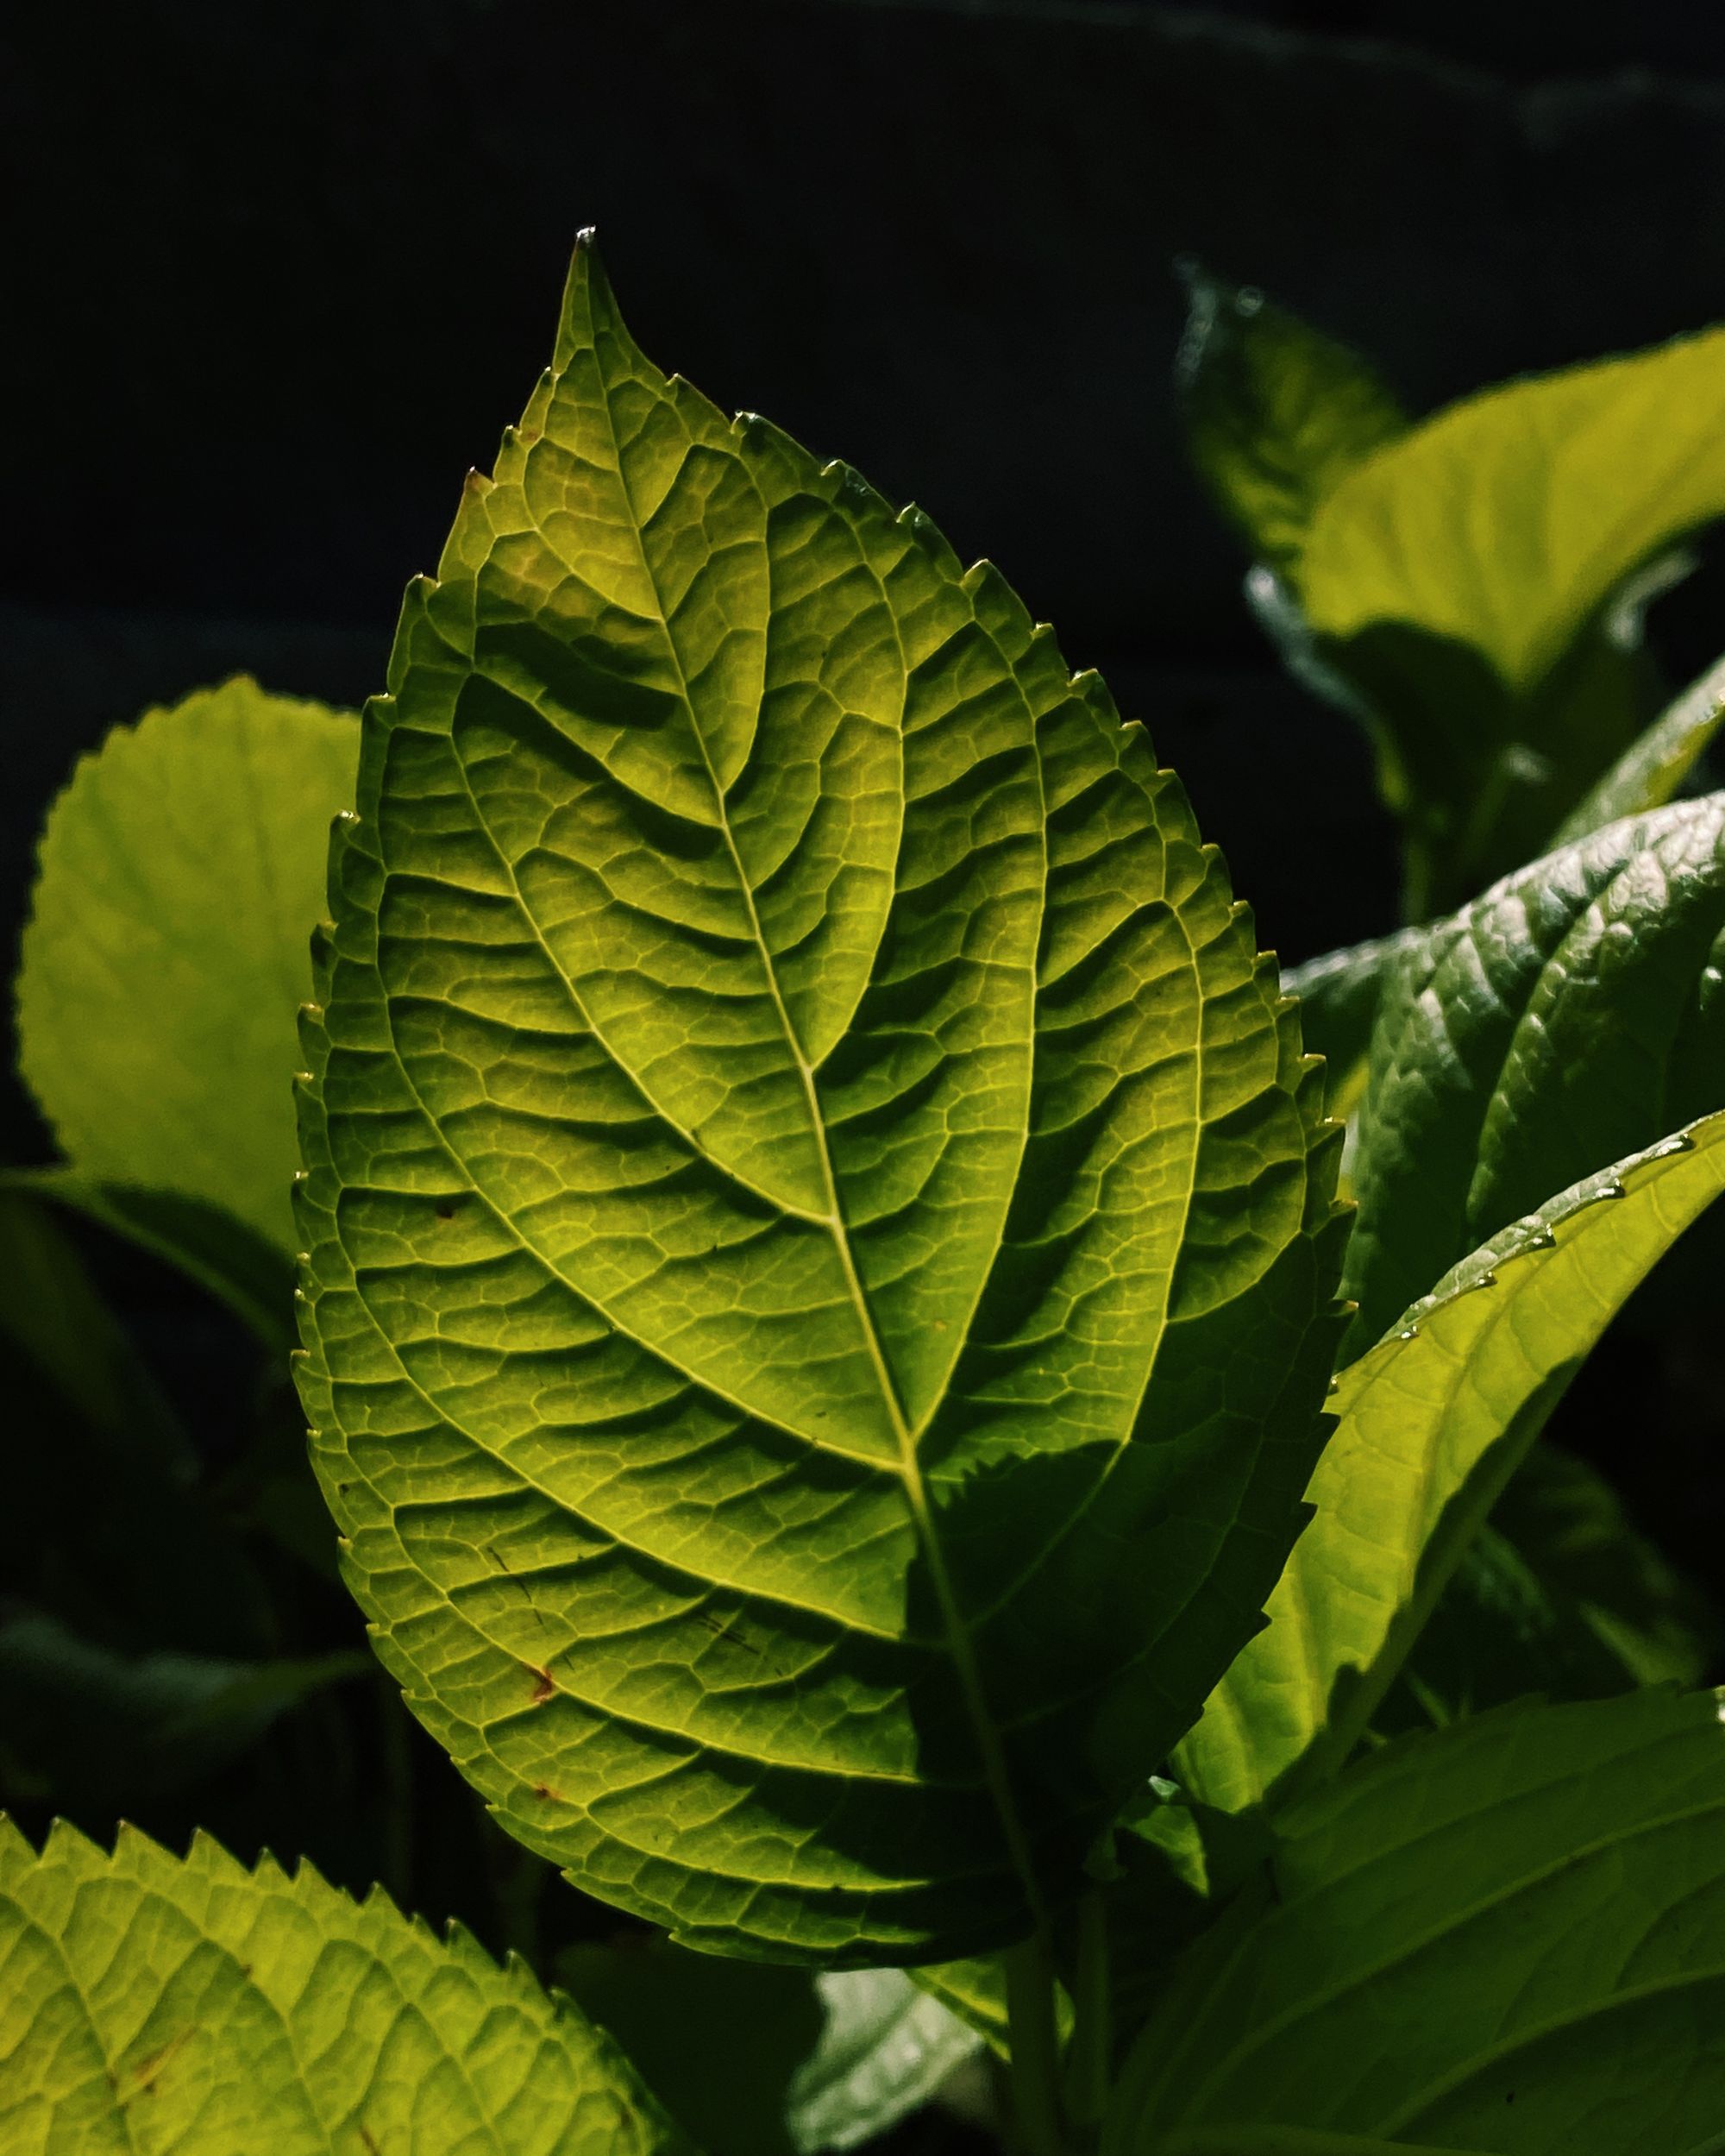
1505, 1936
819, 1223
1432, 1423
192, 2007
1570, 1016
181, 874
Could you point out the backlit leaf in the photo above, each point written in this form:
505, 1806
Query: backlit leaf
181, 875
196, 2009
820, 1225
1479, 585
1432, 1423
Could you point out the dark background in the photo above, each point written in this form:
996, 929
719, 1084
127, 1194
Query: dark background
277, 274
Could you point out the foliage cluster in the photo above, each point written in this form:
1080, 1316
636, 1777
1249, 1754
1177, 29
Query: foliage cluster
831, 1336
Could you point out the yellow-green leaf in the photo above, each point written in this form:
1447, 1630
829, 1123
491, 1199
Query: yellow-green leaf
193, 2008
1477, 588
165, 958
820, 1226
1432, 1423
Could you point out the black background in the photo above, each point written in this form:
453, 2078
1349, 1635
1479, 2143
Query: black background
277, 274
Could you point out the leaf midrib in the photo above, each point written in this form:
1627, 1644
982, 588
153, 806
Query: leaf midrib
962, 1646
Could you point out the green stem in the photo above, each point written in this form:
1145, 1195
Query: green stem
1088, 2058
1032, 2034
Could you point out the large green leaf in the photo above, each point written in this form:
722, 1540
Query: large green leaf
1570, 1016
1432, 1423
820, 1225
1275, 411
195, 2008
165, 958
1507, 1936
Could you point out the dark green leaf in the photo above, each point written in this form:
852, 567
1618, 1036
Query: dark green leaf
86, 1728
1505, 1936
208, 1244
1569, 1526
1569, 1017
105, 1523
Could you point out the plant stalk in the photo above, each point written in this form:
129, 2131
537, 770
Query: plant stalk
1088, 2054
1033, 2035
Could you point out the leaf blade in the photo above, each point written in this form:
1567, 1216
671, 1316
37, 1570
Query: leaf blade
1544, 453
188, 1984
865, 991
1432, 1423
1441, 1907
1652, 769
1564, 1019
210, 928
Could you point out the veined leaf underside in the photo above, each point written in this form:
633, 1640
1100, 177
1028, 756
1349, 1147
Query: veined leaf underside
819, 1224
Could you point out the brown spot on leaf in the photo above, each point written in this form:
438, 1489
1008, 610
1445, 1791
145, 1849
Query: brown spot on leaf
543, 1685
548, 1795
144, 2075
